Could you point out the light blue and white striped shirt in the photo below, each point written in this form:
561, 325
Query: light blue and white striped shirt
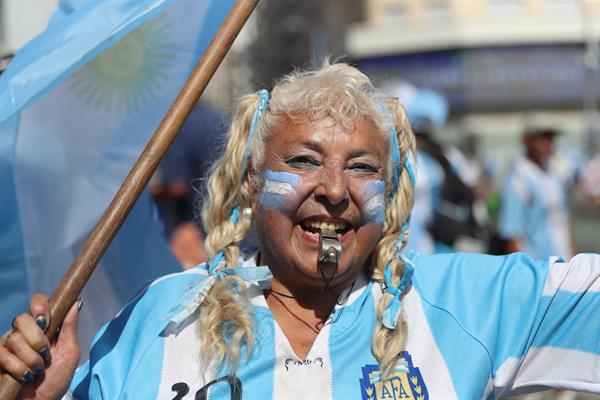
480, 327
534, 210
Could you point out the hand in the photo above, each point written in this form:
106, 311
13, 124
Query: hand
44, 368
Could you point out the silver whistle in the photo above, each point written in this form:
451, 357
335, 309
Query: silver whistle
329, 246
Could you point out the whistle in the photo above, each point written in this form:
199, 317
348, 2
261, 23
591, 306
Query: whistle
329, 246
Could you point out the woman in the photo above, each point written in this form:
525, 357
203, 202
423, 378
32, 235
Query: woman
322, 170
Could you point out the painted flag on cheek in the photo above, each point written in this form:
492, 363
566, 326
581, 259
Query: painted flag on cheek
77, 106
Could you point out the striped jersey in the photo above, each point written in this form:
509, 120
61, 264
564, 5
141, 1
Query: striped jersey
534, 209
429, 178
479, 327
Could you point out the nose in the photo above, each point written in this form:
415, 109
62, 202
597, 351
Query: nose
333, 185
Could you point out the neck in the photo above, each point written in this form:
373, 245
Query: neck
321, 301
539, 161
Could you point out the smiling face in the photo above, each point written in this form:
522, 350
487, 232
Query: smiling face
320, 175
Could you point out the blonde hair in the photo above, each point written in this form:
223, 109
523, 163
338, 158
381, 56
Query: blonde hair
345, 94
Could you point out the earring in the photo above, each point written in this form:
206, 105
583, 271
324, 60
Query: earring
247, 214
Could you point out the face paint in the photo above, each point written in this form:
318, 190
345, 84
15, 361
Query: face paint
277, 189
374, 207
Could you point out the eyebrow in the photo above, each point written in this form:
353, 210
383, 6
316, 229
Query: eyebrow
313, 145
317, 147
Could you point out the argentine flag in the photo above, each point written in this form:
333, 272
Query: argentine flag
77, 106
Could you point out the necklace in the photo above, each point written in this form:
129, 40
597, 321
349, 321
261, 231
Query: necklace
287, 296
316, 329
345, 298
339, 302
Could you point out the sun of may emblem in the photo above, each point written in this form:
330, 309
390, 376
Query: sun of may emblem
406, 382
129, 74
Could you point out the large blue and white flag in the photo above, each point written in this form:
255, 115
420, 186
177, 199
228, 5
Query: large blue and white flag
77, 106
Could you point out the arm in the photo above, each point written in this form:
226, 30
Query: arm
126, 352
513, 212
126, 357
563, 344
513, 245
538, 322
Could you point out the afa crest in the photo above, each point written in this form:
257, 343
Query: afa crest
405, 382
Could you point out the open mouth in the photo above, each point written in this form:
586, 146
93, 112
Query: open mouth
312, 226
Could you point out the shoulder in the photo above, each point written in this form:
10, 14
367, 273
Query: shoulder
155, 304
171, 289
520, 179
428, 169
132, 341
197, 273
520, 169
446, 279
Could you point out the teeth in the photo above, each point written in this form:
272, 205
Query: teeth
325, 225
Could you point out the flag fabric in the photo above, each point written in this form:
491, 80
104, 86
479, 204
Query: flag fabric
77, 106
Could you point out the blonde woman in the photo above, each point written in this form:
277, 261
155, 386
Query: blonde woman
329, 307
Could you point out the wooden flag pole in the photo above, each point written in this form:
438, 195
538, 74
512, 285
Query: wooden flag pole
96, 244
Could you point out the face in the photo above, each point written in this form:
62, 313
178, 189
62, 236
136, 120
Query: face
319, 174
540, 147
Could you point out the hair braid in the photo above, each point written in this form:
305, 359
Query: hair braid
225, 320
387, 344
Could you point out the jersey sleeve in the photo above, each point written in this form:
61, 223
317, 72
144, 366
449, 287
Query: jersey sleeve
563, 342
513, 207
128, 350
538, 321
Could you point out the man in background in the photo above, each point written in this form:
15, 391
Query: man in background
189, 158
534, 217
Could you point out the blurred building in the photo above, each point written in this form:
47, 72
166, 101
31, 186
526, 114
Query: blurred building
299, 33
20, 21
493, 59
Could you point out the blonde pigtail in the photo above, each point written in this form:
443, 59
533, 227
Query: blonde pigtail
387, 344
226, 189
226, 323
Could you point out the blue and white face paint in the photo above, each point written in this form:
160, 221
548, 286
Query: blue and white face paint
374, 207
278, 188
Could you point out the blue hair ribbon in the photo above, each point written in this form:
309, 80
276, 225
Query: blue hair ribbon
411, 172
197, 292
396, 172
395, 151
261, 107
392, 311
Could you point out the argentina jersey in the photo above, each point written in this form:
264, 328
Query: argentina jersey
534, 210
479, 327
428, 183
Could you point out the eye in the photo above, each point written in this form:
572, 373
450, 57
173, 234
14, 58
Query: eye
302, 162
363, 168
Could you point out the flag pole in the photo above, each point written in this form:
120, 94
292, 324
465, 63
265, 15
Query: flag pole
101, 236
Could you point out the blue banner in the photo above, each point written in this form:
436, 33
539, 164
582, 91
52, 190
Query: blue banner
77, 106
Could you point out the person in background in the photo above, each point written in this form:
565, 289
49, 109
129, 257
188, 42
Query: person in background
444, 216
589, 182
534, 217
190, 156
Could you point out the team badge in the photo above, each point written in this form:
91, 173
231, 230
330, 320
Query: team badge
405, 382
